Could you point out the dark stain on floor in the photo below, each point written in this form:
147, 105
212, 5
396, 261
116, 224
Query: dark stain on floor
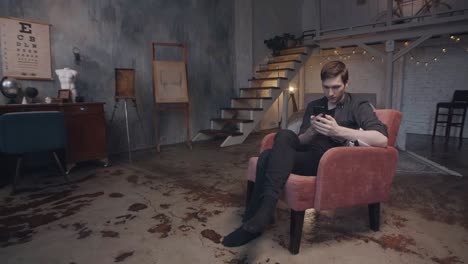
109, 234
19, 228
211, 235
116, 195
121, 257
186, 228
164, 226
84, 233
447, 260
164, 206
137, 207
242, 260
133, 179
447, 205
117, 172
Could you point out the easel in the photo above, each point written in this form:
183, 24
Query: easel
162, 104
125, 90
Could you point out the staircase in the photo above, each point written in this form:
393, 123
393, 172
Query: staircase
247, 110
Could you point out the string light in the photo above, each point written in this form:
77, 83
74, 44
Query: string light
373, 58
364, 52
452, 37
354, 51
336, 52
406, 43
444, 50
417, 63
457, 39
411, 58
435, 59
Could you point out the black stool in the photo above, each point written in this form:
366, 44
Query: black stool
456, 108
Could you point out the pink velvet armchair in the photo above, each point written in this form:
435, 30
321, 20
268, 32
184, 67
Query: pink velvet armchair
346, 177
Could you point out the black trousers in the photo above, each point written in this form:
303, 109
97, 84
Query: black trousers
286, 156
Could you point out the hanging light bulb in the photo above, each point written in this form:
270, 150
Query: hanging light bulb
336, 52
411, 58
444, 50
373, 58
417, 63
406, 43
349, 56
435, 59
457, 39
452, 37
354, 51
364, 52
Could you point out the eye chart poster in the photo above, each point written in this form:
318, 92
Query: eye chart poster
25, 49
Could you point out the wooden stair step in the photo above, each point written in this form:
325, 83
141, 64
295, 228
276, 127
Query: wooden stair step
293, 48
290, 54
234, 120
275, 70
260, 88
285, 61
220, 133
252, 97
242, 108
268, 79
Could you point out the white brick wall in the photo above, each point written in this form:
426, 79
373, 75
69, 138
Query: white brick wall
424, 87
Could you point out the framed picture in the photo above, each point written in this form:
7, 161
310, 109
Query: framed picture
124, 83
170, 81
25, 49
64, 95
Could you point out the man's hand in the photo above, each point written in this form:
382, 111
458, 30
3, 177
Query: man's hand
326, 126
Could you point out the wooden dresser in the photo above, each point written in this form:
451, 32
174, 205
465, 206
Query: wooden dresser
85, 125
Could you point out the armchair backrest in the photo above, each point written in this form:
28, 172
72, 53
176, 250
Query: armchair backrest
392, 119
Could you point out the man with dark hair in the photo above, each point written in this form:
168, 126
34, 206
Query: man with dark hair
328, 122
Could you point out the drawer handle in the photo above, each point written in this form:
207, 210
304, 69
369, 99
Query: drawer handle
83, 108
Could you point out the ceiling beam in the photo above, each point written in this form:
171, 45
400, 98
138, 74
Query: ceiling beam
372, 50
413, 45
372, 28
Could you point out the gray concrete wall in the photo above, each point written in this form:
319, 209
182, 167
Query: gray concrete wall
118, 34
271, 18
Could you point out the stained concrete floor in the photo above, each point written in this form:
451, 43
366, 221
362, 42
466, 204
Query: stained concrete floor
175, 206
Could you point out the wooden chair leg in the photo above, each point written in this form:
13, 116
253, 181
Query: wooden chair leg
295, 231
250, 188
17, 173
59, 164
374, 216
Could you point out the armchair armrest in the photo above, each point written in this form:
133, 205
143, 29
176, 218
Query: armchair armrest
349, 176
267, 142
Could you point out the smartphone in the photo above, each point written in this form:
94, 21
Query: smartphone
318, 110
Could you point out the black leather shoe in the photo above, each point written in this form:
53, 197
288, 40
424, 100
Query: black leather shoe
239, 237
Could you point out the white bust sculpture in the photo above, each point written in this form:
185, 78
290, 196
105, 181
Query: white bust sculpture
67, 79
